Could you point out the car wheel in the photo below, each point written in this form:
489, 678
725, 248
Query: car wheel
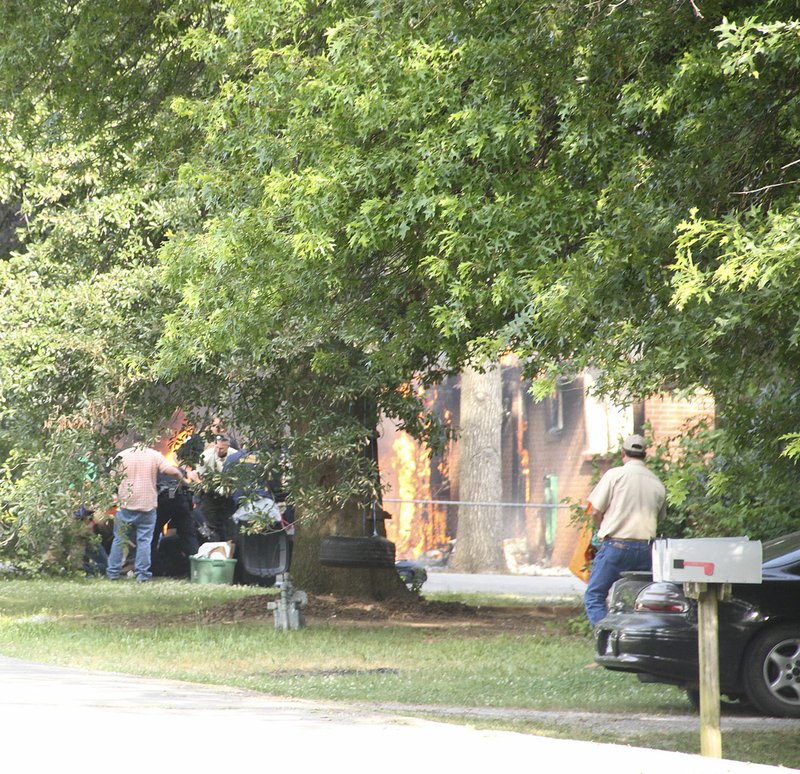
772, 671
339, 551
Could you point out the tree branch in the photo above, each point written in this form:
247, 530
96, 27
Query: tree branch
763, 188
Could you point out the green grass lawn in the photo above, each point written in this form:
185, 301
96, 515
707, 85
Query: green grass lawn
132, 627
157, 630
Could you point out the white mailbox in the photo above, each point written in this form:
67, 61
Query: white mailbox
707, 560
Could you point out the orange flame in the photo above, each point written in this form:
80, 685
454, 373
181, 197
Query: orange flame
409, 470
407, 461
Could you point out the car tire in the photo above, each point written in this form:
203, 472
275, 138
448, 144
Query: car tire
772, 671
339, 551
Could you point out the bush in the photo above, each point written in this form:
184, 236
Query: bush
718, 487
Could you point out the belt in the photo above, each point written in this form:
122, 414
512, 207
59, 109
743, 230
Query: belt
628, 540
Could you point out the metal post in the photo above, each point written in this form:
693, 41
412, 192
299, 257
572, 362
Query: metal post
288, 610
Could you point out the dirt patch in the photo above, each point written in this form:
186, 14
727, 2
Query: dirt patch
408, 610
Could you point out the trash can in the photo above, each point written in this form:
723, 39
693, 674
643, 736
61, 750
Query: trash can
262, 557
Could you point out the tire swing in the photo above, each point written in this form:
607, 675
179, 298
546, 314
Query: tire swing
367, 551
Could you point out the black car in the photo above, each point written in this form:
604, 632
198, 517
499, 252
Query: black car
651, 630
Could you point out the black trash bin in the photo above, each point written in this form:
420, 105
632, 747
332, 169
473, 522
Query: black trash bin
262, 557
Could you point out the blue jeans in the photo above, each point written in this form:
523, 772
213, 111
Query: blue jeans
142, 524
613, 558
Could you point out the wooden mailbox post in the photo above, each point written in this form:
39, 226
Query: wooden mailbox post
707, 567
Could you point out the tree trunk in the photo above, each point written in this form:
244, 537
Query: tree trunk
479, 538
313, 577
307, 572
10, 221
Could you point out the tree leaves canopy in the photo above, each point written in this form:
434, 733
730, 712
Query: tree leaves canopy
288, 211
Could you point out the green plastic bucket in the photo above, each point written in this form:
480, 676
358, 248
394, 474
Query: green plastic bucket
204, 570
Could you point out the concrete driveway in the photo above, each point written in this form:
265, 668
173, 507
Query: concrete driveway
561, 586
66, 718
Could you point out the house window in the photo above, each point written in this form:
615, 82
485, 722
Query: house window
554, 411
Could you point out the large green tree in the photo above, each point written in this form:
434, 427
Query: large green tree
605, 185
288, 211
89, 151
688, 276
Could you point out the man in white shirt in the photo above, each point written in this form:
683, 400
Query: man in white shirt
216, 505
626, 505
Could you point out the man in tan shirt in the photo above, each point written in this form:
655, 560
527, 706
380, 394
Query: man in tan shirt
137, 501
626, 505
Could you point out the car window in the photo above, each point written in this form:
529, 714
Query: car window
781, 546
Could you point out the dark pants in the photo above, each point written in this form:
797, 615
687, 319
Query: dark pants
177, 511
217, 511
95, 560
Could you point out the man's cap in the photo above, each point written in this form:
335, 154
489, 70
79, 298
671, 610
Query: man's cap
634, 446
222, 437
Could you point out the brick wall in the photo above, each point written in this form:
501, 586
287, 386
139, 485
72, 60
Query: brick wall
564, 453
670, 416
561, 453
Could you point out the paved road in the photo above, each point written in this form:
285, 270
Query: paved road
56, 718
552, 586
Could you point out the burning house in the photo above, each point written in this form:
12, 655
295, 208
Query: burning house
550, 453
